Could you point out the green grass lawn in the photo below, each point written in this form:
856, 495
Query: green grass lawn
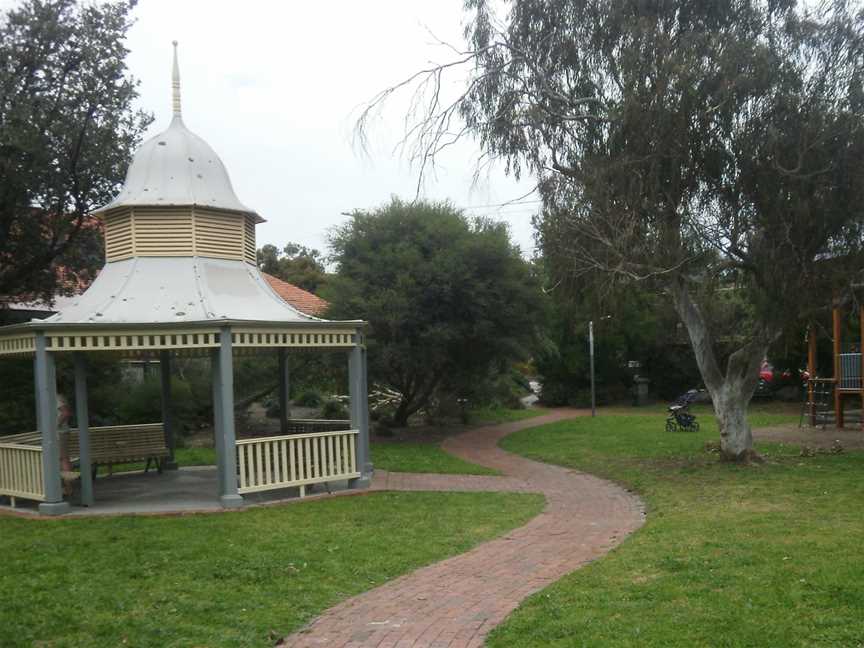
766, 555
233, 579
420, 457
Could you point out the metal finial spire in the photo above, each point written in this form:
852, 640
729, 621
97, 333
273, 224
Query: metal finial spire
175, 84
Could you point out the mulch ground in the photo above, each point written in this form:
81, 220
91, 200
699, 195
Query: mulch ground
851, 438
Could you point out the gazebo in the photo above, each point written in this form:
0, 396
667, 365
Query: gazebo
181, 278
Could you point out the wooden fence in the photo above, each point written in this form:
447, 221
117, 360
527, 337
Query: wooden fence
268, 463
21, 472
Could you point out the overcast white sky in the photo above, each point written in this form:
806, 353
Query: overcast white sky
274, 88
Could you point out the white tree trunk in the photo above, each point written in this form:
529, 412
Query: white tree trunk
730, 408
731, 391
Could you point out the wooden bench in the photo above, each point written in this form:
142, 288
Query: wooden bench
109, 445
117, 444
25, 438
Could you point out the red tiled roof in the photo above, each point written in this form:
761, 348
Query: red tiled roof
302, 300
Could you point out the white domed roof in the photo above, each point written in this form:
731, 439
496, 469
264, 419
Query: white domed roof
176, 167
179, 290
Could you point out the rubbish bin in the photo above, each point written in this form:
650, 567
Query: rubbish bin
640, 391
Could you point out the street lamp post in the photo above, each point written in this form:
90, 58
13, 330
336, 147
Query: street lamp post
591, 356
591, 359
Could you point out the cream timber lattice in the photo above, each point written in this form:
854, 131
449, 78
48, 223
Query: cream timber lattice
249, 253
163, 232
16, 344
119, 243
21, 471
269, 463
179, 231
273, 337
135, 341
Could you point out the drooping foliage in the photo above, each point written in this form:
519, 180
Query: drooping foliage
446, 297
680, 139
695, 147
67, 131
692, 147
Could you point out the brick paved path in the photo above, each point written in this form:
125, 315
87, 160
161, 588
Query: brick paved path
456, 602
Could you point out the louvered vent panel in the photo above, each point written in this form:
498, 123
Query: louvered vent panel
118, 236
163, 233
249, 241
218, 235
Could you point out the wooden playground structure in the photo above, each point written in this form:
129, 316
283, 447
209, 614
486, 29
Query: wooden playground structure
826, 394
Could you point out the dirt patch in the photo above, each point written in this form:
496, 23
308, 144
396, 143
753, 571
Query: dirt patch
851, 439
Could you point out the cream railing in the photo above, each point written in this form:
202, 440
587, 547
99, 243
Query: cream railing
21, 472
267, 463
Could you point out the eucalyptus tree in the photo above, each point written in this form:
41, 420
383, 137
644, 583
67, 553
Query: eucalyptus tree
685, 146
68, 127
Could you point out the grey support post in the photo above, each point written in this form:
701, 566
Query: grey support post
284, 390
360, 413
167, 420
46, 419
82, 416
223, 414
364, 416
216, 384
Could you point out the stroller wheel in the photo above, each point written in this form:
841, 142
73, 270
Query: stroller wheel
695, 426
670, 426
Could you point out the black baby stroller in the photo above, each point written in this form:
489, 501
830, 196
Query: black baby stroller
680, 417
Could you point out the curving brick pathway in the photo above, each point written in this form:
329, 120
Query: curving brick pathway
456, 602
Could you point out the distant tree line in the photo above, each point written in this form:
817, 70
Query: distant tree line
294, 263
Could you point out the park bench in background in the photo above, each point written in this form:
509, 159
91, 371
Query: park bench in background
119, 444
21, 454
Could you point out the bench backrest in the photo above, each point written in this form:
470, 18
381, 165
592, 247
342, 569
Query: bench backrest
24, 438
118, 443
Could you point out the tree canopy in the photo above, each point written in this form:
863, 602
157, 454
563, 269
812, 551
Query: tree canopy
296, 264
446, 297
692, 147
67, 131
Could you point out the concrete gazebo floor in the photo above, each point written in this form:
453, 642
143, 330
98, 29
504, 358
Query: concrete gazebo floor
187, 490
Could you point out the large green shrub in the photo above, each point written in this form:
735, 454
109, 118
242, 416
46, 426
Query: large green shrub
334, 409
447, 297
142, 403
